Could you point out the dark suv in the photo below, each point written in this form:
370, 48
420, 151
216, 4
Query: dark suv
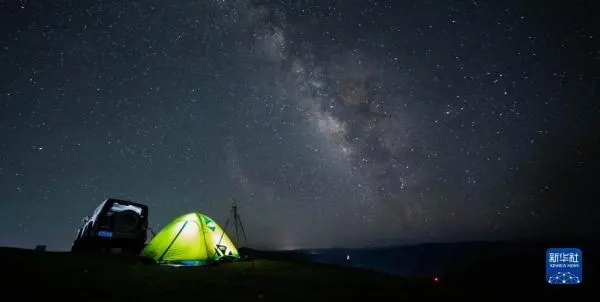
119, 224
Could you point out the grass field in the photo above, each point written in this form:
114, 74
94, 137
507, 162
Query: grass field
61, 276
64, 276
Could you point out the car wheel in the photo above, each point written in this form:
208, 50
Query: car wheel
132, 250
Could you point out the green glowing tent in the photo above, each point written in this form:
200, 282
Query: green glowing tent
191, 239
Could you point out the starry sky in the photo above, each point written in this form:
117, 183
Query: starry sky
334, 123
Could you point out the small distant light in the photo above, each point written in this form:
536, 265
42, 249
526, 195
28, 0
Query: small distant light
347, 257
436, 280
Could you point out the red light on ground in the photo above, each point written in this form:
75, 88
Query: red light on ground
436, 280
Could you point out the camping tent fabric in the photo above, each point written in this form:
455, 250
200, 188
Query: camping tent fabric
191, 239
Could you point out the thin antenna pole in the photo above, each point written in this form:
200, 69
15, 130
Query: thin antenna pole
242, 227
237, 223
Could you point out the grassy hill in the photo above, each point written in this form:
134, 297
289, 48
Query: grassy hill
28, 274
64, 276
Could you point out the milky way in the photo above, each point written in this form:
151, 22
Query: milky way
347, 123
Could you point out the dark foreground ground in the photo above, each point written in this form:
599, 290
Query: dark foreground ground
29, 275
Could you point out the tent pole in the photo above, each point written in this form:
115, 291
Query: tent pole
224, 230
172, 241
202, 227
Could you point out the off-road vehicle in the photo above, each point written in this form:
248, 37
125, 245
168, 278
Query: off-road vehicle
115, 225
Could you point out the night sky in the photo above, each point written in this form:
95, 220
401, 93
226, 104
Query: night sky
342, 123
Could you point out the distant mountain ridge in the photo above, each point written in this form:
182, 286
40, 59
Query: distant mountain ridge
518, 262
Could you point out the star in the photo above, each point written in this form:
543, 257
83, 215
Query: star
431, 114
